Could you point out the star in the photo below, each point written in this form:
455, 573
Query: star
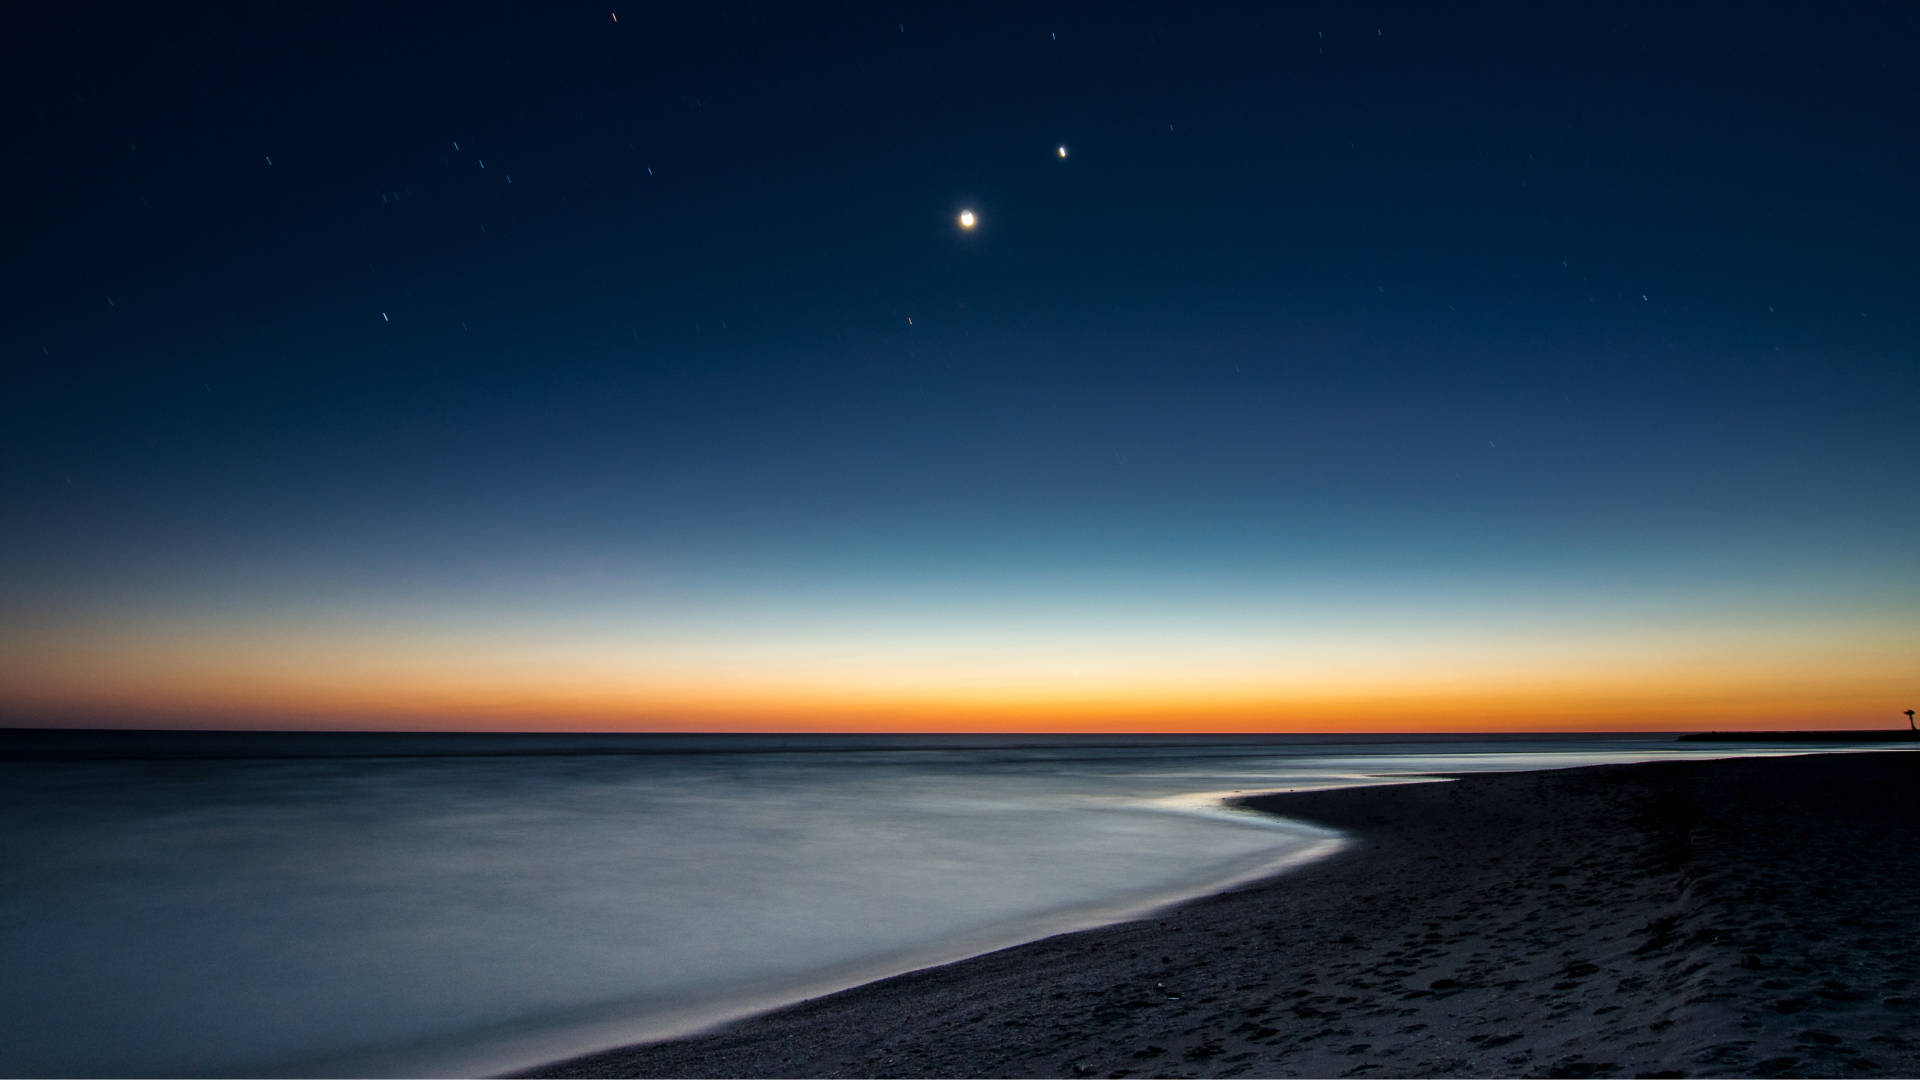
966, 219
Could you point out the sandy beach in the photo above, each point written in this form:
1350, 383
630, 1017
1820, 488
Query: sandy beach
1754, 917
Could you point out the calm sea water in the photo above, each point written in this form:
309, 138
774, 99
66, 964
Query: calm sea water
364, 904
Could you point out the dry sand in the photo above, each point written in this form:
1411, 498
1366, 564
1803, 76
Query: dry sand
1752, 917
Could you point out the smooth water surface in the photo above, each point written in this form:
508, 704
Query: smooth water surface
222, 904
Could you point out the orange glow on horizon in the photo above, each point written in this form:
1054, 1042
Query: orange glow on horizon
1847, 673
1456, 710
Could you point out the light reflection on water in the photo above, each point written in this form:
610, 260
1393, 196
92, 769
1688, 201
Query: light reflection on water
236, 914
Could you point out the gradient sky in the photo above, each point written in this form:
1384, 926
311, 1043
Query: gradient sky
1362, 367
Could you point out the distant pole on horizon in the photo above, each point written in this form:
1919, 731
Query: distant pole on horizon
1910, 726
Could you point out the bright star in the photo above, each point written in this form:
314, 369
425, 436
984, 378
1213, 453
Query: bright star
966, 219
1063, 151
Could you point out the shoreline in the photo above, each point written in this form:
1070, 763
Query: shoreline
1749, 916
464, 1057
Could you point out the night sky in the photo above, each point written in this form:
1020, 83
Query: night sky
1359, 367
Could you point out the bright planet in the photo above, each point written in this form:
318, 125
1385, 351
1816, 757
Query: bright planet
966, 219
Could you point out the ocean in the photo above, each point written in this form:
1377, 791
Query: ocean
365, 904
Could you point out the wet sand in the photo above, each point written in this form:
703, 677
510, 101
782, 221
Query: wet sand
1754, 917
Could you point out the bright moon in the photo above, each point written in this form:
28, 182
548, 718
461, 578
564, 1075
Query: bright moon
1063, 151
966, 219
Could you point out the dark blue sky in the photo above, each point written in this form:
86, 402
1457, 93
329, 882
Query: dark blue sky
1348, 297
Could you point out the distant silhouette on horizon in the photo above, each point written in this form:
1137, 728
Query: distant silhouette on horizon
1910, 726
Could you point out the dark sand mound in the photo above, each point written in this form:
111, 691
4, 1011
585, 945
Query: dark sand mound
1750, 917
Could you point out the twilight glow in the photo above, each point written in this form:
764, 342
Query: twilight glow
1132, 648
1293, 404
